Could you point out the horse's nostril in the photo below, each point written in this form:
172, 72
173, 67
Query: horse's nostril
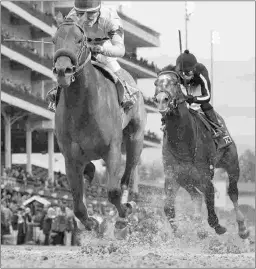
54, 70
69, 70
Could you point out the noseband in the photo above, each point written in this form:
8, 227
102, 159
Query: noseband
172, 103
75, 59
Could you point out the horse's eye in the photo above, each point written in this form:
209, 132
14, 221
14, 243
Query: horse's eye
166, 99
79, 41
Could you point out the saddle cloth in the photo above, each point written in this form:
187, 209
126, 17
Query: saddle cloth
125, 84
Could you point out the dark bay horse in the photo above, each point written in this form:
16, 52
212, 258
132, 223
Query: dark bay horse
90, 123
190, 155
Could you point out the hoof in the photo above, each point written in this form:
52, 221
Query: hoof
131, 207
220, 229
121, 229
92, 224
245, 234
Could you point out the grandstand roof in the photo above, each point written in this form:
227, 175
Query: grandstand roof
39, 199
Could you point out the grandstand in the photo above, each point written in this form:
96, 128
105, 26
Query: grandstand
29, 148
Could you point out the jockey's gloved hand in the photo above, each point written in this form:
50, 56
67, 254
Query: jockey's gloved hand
97, 49
190, 99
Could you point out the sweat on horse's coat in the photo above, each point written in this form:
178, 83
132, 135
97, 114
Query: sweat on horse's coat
189, 153
90, 125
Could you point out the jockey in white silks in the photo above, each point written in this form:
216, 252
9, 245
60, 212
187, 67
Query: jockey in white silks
104, 30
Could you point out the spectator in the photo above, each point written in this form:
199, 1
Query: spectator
69, 228
29, 225
47, 224
22, 229
58, 227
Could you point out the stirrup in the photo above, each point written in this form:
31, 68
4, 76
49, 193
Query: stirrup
163, 128
52, 107
216, 134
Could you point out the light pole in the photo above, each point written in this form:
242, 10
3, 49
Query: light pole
212, 66
186, 24
189, 9
215, 39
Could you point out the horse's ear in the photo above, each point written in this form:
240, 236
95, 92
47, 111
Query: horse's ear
82, 20
59, 18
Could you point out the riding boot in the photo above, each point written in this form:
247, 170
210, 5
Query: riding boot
51, 97
130, 95
220, 133
211, 116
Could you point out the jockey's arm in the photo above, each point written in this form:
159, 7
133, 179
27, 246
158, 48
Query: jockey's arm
115, 32
204, 82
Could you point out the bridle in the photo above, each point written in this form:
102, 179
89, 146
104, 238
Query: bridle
75, 59
172, 103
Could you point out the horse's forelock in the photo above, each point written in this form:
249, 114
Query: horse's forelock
170, 76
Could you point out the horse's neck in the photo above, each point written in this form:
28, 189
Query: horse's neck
181, 131
82, 93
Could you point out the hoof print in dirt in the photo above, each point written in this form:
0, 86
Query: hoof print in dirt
202, 234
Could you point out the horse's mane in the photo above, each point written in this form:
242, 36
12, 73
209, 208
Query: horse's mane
169, 67
69, 19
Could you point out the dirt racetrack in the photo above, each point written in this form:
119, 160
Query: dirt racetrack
160, 257
151, 245
145, 248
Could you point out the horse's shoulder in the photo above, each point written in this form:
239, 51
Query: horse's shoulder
169, 67
104, 71
200, 118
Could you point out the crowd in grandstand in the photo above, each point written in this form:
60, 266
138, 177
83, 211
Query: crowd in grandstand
54, 224
28, 45
38, 223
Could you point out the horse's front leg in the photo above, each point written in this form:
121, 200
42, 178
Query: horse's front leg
171, 190
113, 162
74, 172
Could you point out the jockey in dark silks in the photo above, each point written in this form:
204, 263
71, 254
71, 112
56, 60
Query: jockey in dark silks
194, 74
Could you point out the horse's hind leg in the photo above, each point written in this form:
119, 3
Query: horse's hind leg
197, 198
134, 146
212, 217
233, 174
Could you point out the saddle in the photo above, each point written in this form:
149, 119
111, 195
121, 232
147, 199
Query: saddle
220, 142
125, 90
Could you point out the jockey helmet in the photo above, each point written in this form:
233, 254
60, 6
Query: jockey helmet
87, 5
186, 61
